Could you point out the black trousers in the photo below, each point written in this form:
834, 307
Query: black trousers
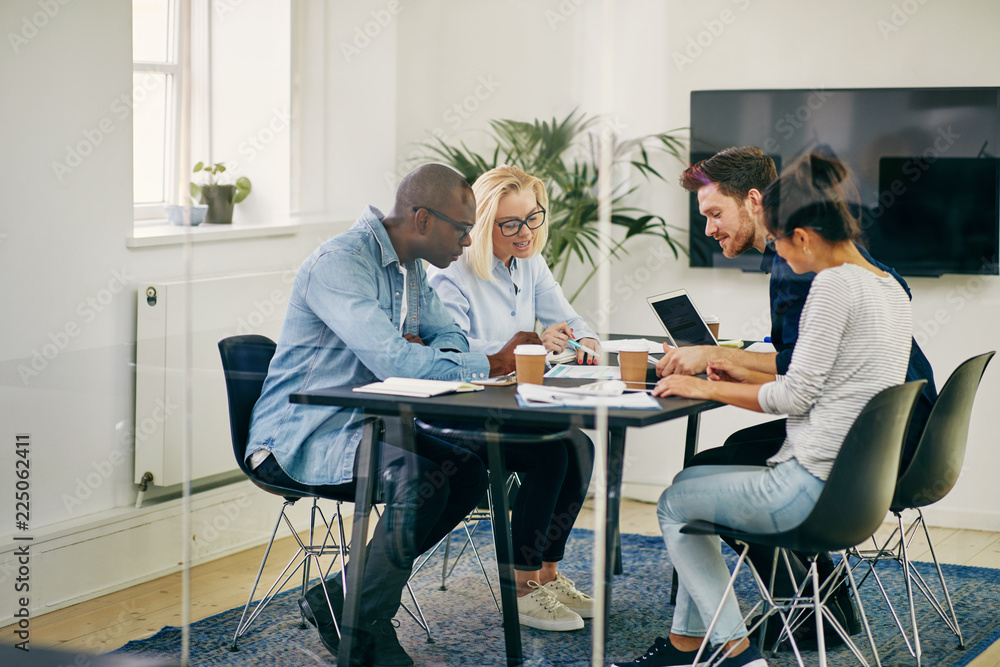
554, 481
427, 492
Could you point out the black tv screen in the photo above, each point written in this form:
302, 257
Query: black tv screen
924, 160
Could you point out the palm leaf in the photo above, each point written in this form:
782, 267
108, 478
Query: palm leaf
564, 153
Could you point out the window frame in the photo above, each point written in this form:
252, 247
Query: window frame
153, 213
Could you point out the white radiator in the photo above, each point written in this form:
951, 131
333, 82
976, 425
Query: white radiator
212, 308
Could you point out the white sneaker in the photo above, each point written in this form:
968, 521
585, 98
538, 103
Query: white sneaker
541, 610
573, 598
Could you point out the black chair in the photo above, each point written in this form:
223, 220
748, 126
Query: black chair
929, 477
850, 509
245, 361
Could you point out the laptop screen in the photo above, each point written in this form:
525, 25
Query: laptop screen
681, 319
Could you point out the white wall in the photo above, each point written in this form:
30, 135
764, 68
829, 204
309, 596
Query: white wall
68, 280
545, 56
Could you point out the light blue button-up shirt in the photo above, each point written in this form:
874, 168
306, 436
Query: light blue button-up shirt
491, 312
343, 328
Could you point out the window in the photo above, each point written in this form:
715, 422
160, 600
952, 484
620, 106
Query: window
239, 110
156, 79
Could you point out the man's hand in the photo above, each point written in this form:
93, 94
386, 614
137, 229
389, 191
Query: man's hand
556, 337
684, 386
413, 338
502, 362
723, 370
685, 360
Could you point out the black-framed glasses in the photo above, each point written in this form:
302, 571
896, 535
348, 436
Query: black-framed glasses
513, 227
463, 227
769, 241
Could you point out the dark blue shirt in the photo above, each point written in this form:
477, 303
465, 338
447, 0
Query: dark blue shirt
788, 296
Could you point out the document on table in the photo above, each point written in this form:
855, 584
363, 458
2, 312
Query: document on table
540, 396
615, 345
584, 372
761, 347
417, 388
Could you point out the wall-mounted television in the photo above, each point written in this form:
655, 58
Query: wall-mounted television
924, 160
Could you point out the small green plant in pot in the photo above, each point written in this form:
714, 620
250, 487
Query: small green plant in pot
220, 197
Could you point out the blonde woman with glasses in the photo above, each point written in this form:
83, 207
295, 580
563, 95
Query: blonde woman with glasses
501, 286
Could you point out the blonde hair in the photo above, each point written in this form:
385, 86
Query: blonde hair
489, 189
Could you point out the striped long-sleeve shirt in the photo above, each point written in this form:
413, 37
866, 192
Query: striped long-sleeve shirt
854, 341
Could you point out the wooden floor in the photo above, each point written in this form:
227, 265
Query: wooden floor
108, 622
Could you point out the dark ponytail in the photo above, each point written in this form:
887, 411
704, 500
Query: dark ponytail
815, 191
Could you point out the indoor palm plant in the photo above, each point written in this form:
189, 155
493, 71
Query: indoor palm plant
564, 154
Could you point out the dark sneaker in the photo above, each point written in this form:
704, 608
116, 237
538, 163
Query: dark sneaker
384, 649
663, 654
316, 611
849, 610
750, 657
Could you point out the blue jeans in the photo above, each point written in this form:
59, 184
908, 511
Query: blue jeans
751, 498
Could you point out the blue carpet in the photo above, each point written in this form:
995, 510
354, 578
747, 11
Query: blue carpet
467, 631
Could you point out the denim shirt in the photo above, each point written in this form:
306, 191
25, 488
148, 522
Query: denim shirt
342, 328
491, 312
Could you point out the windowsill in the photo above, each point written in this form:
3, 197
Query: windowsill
166, 234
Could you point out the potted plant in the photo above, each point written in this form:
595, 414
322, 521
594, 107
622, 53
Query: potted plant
220, 197
564, 154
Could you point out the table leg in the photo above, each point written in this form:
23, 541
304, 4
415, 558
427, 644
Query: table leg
362, 500
612, 542
504, 548
615, 465
691, 441
690, 449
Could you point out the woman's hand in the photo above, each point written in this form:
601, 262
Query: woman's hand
591, 344
684, 386
556, 337
723, 370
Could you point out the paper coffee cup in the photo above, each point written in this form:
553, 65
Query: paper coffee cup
529, 361
713, 325
632, 359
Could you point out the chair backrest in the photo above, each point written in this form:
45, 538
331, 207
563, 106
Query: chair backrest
937, 461
857, 494
245, 360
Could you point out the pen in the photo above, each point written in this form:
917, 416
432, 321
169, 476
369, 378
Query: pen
572, 343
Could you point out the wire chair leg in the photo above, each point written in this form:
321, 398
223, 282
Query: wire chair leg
444, 562
861, 608
908, 581
260, 571
722, 602
930, 545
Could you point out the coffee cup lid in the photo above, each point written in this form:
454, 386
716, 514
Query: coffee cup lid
633, 346
711, 319
530, 349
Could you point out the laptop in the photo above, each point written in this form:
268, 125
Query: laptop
680, 318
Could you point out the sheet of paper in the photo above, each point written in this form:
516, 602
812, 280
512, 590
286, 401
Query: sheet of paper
537, 396
585, 372
614, 345
761, 347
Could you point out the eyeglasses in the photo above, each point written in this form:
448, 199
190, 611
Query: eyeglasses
513, 227
769, 241
460, 226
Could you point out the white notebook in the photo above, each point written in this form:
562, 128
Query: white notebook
416, 387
